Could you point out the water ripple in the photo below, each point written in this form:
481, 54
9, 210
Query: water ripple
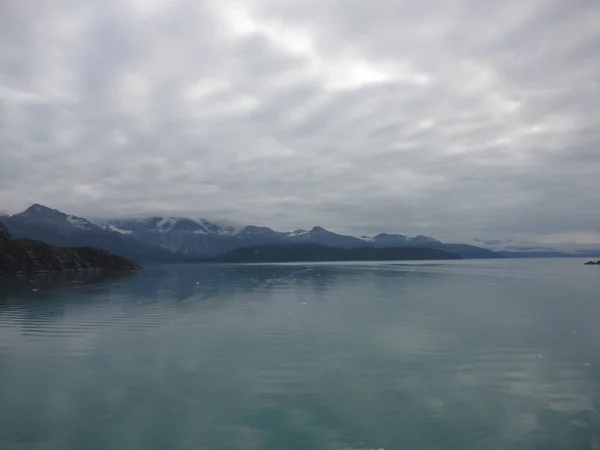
465, 354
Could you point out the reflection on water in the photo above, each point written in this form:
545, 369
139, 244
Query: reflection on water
457, 355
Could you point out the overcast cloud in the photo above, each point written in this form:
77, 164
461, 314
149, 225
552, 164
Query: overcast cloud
459, 119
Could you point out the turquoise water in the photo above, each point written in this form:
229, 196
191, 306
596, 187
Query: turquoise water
452, 355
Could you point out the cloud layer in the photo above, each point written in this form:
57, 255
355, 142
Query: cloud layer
458, 119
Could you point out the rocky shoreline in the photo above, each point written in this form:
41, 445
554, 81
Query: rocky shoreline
21, 256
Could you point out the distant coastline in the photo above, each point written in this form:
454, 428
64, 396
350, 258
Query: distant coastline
283, 253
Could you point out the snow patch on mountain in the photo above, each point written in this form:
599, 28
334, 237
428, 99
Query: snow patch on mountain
166, 224
169, 225
111, 227
298, 233
78, 222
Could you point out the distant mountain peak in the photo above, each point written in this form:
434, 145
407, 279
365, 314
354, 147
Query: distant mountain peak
38, 206
422, 239
389, 235
41, 213
37, 209
254, 229
318, 229
389, 238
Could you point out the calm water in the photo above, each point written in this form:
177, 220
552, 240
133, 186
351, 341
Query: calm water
459, 355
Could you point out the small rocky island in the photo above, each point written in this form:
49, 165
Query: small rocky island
592, 263
29, 256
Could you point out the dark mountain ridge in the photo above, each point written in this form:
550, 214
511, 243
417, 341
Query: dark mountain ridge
277, 253
30, 256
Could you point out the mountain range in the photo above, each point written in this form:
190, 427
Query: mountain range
57, 228
170, 239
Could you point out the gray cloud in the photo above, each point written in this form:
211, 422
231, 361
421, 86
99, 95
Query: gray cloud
450, 118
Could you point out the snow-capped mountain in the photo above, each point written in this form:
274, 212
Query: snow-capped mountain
168, 225
399, 240
65, 222
195, 237
181, 235
204, 238
57, 228
166, 238
319, 235
252, 231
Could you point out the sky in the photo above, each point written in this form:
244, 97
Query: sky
465, 120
